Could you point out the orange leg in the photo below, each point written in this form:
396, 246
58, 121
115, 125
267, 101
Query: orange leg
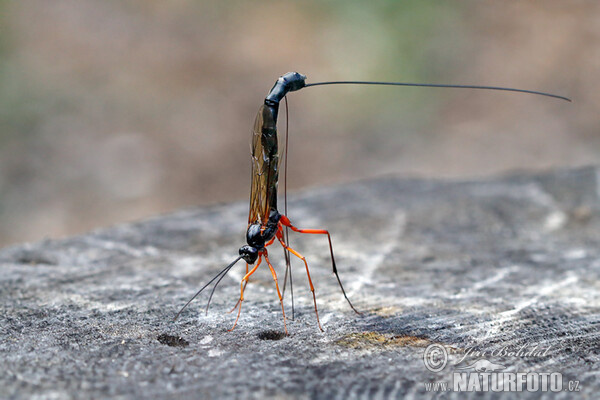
238, 302
245, 283
312, 288
242, 287
286, 222
278, 292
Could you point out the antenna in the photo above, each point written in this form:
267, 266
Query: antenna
223, 272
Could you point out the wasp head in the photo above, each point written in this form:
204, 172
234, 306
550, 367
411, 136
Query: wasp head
249, 253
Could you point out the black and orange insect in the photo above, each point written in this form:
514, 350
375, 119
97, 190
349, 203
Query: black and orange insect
265, 223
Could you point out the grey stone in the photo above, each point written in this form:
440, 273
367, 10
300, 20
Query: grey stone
506, 263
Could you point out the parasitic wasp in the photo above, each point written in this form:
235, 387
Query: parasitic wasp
265, 223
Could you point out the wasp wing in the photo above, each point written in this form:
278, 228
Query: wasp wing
265, 166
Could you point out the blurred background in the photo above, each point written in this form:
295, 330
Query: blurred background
112, 111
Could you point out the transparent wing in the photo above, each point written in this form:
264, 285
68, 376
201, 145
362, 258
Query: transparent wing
265, 166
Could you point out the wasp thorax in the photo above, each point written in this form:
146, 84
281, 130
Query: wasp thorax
258, 235
249, 253
255, 237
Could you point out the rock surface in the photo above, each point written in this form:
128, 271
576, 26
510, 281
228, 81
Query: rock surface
492, 266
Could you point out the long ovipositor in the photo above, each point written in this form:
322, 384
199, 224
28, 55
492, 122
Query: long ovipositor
293, 81
265, 151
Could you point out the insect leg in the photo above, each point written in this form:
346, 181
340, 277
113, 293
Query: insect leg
285, 221
242, 287
238, 302
312, 288
278, 292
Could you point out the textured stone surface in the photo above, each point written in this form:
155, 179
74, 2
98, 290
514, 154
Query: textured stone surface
507, 262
